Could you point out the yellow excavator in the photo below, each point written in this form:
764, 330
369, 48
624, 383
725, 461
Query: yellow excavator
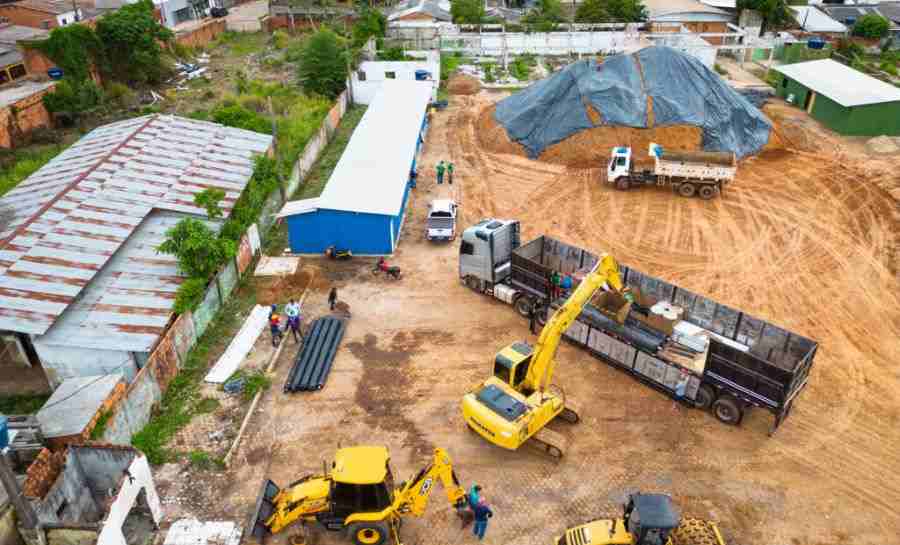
357, 496
518, 401
648, 519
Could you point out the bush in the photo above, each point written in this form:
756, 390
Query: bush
871, 25
280, 39
73, 98
467, 12
199, 251
370, 22
249, 205
849, 48
489, 73
323, 66
240, 117
120, 94
26, 163
131, 37
890, 68
719, 70
253, 102
449, 64
190, 294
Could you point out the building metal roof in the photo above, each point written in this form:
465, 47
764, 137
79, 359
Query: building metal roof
74, 403
812, 20
371, 175
842, 84
9, 55
303, 206
891, 10
62, 225
10, 34
684, 10
848, 13
18, 91
428, 7
56, 7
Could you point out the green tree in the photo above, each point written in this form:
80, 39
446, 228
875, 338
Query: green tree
198, 249
209, 199
240, 117
871, 25
323, 66
71, 97
467, 12
131, 38
544, 16
371, 22
626, 11
775, 13
592, 11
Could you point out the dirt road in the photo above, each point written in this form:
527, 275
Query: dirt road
798, 240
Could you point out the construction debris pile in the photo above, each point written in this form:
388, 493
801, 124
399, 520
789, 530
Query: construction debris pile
658, 94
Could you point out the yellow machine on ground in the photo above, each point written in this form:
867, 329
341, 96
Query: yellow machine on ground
649, 519
518, 401
357, 496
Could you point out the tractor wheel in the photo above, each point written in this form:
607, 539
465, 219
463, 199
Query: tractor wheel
473, 283
369, 533
707, 192
728, 410
705, 397
687, 190
523, 306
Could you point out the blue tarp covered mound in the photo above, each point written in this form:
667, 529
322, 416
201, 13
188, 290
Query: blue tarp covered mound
682, 90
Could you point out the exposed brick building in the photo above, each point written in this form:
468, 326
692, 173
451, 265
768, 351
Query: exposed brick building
44, 14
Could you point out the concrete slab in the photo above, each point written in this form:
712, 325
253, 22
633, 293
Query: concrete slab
276, 266
72, 406
195, 532
240, 346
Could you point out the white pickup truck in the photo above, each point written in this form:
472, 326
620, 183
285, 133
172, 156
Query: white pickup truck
702, 173
441, 221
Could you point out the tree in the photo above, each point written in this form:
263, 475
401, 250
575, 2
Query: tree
209, 199
467, 12
71, 97
323, 65
544, 16
592, 11
131, 38
626, 11
871, 25
371, 22
198, 249
775, 13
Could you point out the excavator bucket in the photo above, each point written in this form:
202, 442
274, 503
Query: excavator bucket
265, 506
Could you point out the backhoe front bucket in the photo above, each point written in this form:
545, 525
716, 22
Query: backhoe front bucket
265, 506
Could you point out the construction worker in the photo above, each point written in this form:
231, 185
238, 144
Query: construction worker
482, 514
450, 172
292, 309
554, 285
440, 172
275, 325
332, 298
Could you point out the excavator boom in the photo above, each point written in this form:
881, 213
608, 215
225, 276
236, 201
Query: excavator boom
540, 372
412, 497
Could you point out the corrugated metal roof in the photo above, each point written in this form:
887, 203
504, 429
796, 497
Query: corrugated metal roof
72, 406
842, 84
20, 90
811, 19
372, 173
303, 206
64, 222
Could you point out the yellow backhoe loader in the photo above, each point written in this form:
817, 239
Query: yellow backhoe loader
518, 401
648, 519
356, 496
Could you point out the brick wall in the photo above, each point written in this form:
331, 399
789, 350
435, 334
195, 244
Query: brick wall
418, 16
42, 473
19, 15
109, 405
201, 35
19, 119
35, 61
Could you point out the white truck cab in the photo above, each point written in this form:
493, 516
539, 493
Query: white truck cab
619, 164
441, 221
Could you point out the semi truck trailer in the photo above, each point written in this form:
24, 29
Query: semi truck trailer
687, 346
702, 173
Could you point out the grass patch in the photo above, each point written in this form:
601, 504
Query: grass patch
203, 460
207, 405
25, 164
254, 381
22, 404
321, 171
182, 400
241, 44
100, 427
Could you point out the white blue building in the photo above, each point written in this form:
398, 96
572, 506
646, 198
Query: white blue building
363, 204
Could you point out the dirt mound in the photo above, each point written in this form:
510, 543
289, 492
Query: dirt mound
462, 84
591, 147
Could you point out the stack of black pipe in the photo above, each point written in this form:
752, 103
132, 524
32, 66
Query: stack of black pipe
313, 363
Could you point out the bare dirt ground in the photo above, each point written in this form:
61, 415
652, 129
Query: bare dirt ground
799, 239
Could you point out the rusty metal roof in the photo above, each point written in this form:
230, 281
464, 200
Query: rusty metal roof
63, 224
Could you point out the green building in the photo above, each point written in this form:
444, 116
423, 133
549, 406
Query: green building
844, 99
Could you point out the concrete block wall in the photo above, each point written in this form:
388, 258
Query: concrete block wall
109, 405
19, 119
201, 35
43, 472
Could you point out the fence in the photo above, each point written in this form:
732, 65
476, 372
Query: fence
171, 354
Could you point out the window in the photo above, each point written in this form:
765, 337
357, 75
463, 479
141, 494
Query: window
4, 76
390, 75
466, 248
64, 21
360, 75
17, 71
620, 161
45, 25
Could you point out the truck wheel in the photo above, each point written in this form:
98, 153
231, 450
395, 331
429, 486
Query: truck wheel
542, 316
705, 397
622, 184
708, 192
473, 283
728, 410
687, 190
368, 533
523, 306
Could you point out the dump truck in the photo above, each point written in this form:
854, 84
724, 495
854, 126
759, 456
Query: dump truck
685, 345
702, 173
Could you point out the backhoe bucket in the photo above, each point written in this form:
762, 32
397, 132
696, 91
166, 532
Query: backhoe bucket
265, 506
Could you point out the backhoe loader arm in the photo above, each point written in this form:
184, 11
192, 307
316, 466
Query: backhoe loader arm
540, 372
412, 497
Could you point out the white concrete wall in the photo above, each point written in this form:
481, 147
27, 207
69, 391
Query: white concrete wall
62, 362
111, 533
365, 91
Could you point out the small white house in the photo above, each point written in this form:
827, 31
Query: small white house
369, 77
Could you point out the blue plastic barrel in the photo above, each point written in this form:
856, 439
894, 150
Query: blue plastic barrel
55, 73
4, 434
815, 43
422, 75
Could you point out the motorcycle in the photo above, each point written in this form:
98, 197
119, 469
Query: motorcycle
334, 253
388, 270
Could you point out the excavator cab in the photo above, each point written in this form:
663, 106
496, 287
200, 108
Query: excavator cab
650, 518
511, 364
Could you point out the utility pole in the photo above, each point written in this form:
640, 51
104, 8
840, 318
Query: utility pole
24, 510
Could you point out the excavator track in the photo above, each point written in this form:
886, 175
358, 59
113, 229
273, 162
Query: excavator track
550, 442
569, 413
693, 531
